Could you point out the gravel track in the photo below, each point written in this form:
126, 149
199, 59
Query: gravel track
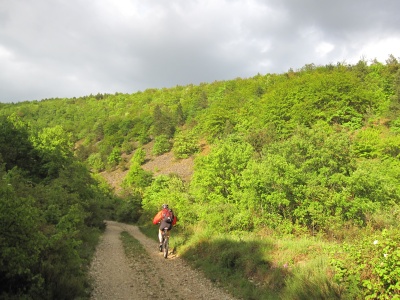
151, 276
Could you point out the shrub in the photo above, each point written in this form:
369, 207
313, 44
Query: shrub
115, 157
129, 210
95, 162
161, 145
185, 144
137, 179
371, 268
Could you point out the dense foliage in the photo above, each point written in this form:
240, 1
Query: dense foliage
51, 212
314, 151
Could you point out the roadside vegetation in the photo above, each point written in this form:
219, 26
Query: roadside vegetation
294, 193
51, 214
132, 247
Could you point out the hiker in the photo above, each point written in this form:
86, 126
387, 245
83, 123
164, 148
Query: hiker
166, 218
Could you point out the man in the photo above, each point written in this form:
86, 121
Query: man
166, 218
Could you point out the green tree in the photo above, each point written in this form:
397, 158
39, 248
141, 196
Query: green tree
54, 145
21, 242
367, 143
217, 123
95, 162
218, 174
303, 179
163, 123
185, 144
172, 190
179, 115
162, 144
139, 156
115, 157
216, 182
137, 179
16, 149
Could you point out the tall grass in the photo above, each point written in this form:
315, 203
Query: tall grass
244, 267
311, 281
257, 267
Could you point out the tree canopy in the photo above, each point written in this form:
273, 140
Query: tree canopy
313, 150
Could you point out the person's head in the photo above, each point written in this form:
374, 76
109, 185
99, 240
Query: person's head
165, 206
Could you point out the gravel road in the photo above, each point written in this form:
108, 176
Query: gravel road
116, 276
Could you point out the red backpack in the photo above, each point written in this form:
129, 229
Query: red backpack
167, 215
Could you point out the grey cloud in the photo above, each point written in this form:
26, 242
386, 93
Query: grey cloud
74, 48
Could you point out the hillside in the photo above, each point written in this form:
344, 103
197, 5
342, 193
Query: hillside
163, 164
297, 189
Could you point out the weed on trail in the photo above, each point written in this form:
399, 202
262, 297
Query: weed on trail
133, 248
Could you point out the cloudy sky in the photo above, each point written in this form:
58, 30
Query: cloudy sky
72, 48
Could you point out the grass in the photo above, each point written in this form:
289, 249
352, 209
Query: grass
311, 282
150, 230
257, 267
241, 266
132, 247
269, 266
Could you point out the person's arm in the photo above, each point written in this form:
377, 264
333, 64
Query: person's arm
157, 217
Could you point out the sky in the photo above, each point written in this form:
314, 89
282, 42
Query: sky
74, 48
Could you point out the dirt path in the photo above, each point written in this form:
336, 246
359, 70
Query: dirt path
117, 277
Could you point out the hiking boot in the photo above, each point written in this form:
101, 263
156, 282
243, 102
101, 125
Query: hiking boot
160, 247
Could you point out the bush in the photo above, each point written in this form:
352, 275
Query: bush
20, 244
161, 145
137, 179
185, 144
371, 267
115, 157
95, 162
129, 210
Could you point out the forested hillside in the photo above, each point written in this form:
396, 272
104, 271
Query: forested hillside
311, 154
